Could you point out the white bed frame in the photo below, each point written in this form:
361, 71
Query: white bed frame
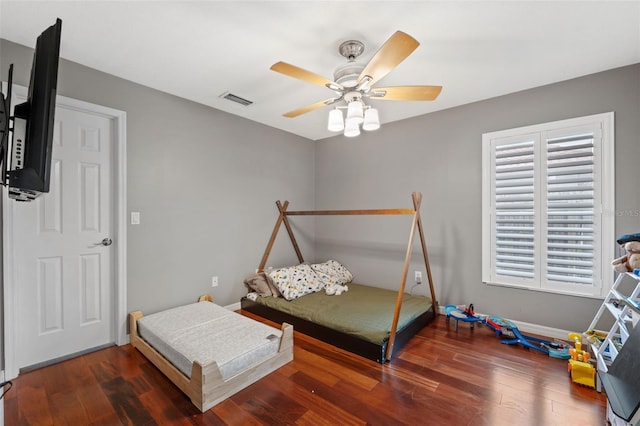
206, 387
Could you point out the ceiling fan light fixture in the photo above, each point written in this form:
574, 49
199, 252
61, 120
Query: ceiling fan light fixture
354, 82
336, 121
351, 129
355, 112
371, 120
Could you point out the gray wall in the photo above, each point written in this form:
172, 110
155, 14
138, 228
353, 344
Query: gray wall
204, 181
439, 154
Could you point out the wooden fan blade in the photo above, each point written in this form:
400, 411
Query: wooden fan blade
405, 93
393, 51
308, 108
302, 74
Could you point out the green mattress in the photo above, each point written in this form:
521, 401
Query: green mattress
363, 311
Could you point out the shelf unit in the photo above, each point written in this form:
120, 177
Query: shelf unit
625, 312
622, 304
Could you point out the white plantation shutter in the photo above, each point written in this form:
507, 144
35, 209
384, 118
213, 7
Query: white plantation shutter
514, 193
546, 192
571, 219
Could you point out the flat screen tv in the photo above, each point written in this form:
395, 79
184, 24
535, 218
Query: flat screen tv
27, 159
4, 126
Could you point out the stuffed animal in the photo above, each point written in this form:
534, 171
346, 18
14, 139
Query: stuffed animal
631, 260
335, 289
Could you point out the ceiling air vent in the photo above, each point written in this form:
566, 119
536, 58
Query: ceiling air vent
237, 99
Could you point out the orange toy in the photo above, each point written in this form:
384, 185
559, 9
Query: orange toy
577, 353
582, 372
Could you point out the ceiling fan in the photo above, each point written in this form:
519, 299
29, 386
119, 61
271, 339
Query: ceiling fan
353, 82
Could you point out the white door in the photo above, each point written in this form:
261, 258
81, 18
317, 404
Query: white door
63, 266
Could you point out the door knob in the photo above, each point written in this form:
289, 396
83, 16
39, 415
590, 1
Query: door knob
105, 242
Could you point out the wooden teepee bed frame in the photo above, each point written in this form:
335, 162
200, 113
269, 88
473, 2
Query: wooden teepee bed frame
336, 338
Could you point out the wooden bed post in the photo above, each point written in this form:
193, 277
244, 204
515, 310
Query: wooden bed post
403, 281
287, 225
274, 234
417, 200
281, 218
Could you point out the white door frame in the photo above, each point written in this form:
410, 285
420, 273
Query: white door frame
119, 120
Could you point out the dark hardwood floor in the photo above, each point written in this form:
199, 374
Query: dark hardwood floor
442, 377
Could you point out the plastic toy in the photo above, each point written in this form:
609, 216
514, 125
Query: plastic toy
595, 337
582, 372
506, 328
466, 315
553, 349
498, 326
577, 353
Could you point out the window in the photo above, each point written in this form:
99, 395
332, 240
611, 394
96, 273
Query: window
548, 206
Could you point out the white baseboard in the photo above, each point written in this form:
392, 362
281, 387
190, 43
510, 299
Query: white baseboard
542, 330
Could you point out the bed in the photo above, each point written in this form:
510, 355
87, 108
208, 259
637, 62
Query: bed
208, 351
358, 320
392, 309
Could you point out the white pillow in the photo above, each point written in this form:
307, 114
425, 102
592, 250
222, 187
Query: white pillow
332, 272
296, 281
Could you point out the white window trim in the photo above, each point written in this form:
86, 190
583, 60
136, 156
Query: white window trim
606, 207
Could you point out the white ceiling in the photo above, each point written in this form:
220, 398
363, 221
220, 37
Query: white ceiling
201, 49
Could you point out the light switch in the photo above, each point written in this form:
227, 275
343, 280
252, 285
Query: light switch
135, 218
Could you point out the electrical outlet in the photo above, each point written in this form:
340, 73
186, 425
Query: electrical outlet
135, 218
214, 281
418, 277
